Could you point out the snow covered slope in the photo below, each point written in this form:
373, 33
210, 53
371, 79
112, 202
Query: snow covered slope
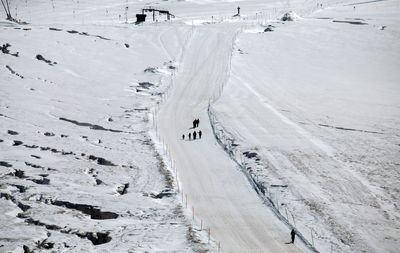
79, 171
219, 193
310, 110
314, 107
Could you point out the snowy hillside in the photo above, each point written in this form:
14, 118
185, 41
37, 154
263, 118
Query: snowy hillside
299, 120
320, 125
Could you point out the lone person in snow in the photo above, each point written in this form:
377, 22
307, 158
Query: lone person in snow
194, 135
293, 235
183, 136
200, 134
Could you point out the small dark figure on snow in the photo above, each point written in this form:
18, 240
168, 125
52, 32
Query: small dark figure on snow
197, 122
190, 136
293, 235
194, 135
183, 136
194, 123
200, 134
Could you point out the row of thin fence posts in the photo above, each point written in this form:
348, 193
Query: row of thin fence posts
184, 198
270, 198
233, 154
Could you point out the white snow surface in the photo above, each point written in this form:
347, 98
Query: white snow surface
300, 127
315, 104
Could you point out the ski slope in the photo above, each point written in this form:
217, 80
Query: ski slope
219, 192
321, 120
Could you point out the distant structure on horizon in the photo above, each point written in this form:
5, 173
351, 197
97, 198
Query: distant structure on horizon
238, 12
142, 17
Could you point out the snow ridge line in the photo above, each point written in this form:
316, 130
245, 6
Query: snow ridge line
226, 142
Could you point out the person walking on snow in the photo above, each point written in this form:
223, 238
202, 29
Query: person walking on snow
194, 123
293, 235
190, 136
194, 135
200, 134
198, 122
183, 137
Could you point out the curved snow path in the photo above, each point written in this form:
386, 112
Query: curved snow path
219, 192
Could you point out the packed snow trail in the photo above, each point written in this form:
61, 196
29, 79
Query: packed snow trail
220, 194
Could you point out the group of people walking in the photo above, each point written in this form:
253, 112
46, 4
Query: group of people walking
195, 134
196, 123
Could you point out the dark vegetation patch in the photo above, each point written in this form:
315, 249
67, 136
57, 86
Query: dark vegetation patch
141, 109
250, 155
94, 174
20, 205
34, 165
94, 212
269, 28
5, 116
21, 188
14, 72
101, 37
101, 161
27, 249
11, 132
96, 238
150, 70
91, 126
39, 223
5, 164
279, 185
87, 34
44, 244
17, 143
145, 85
4, 49
241, 51
54, 29
30, 146
164, 193
350, 22
41, 58
43, 180
123, 189
18, 173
